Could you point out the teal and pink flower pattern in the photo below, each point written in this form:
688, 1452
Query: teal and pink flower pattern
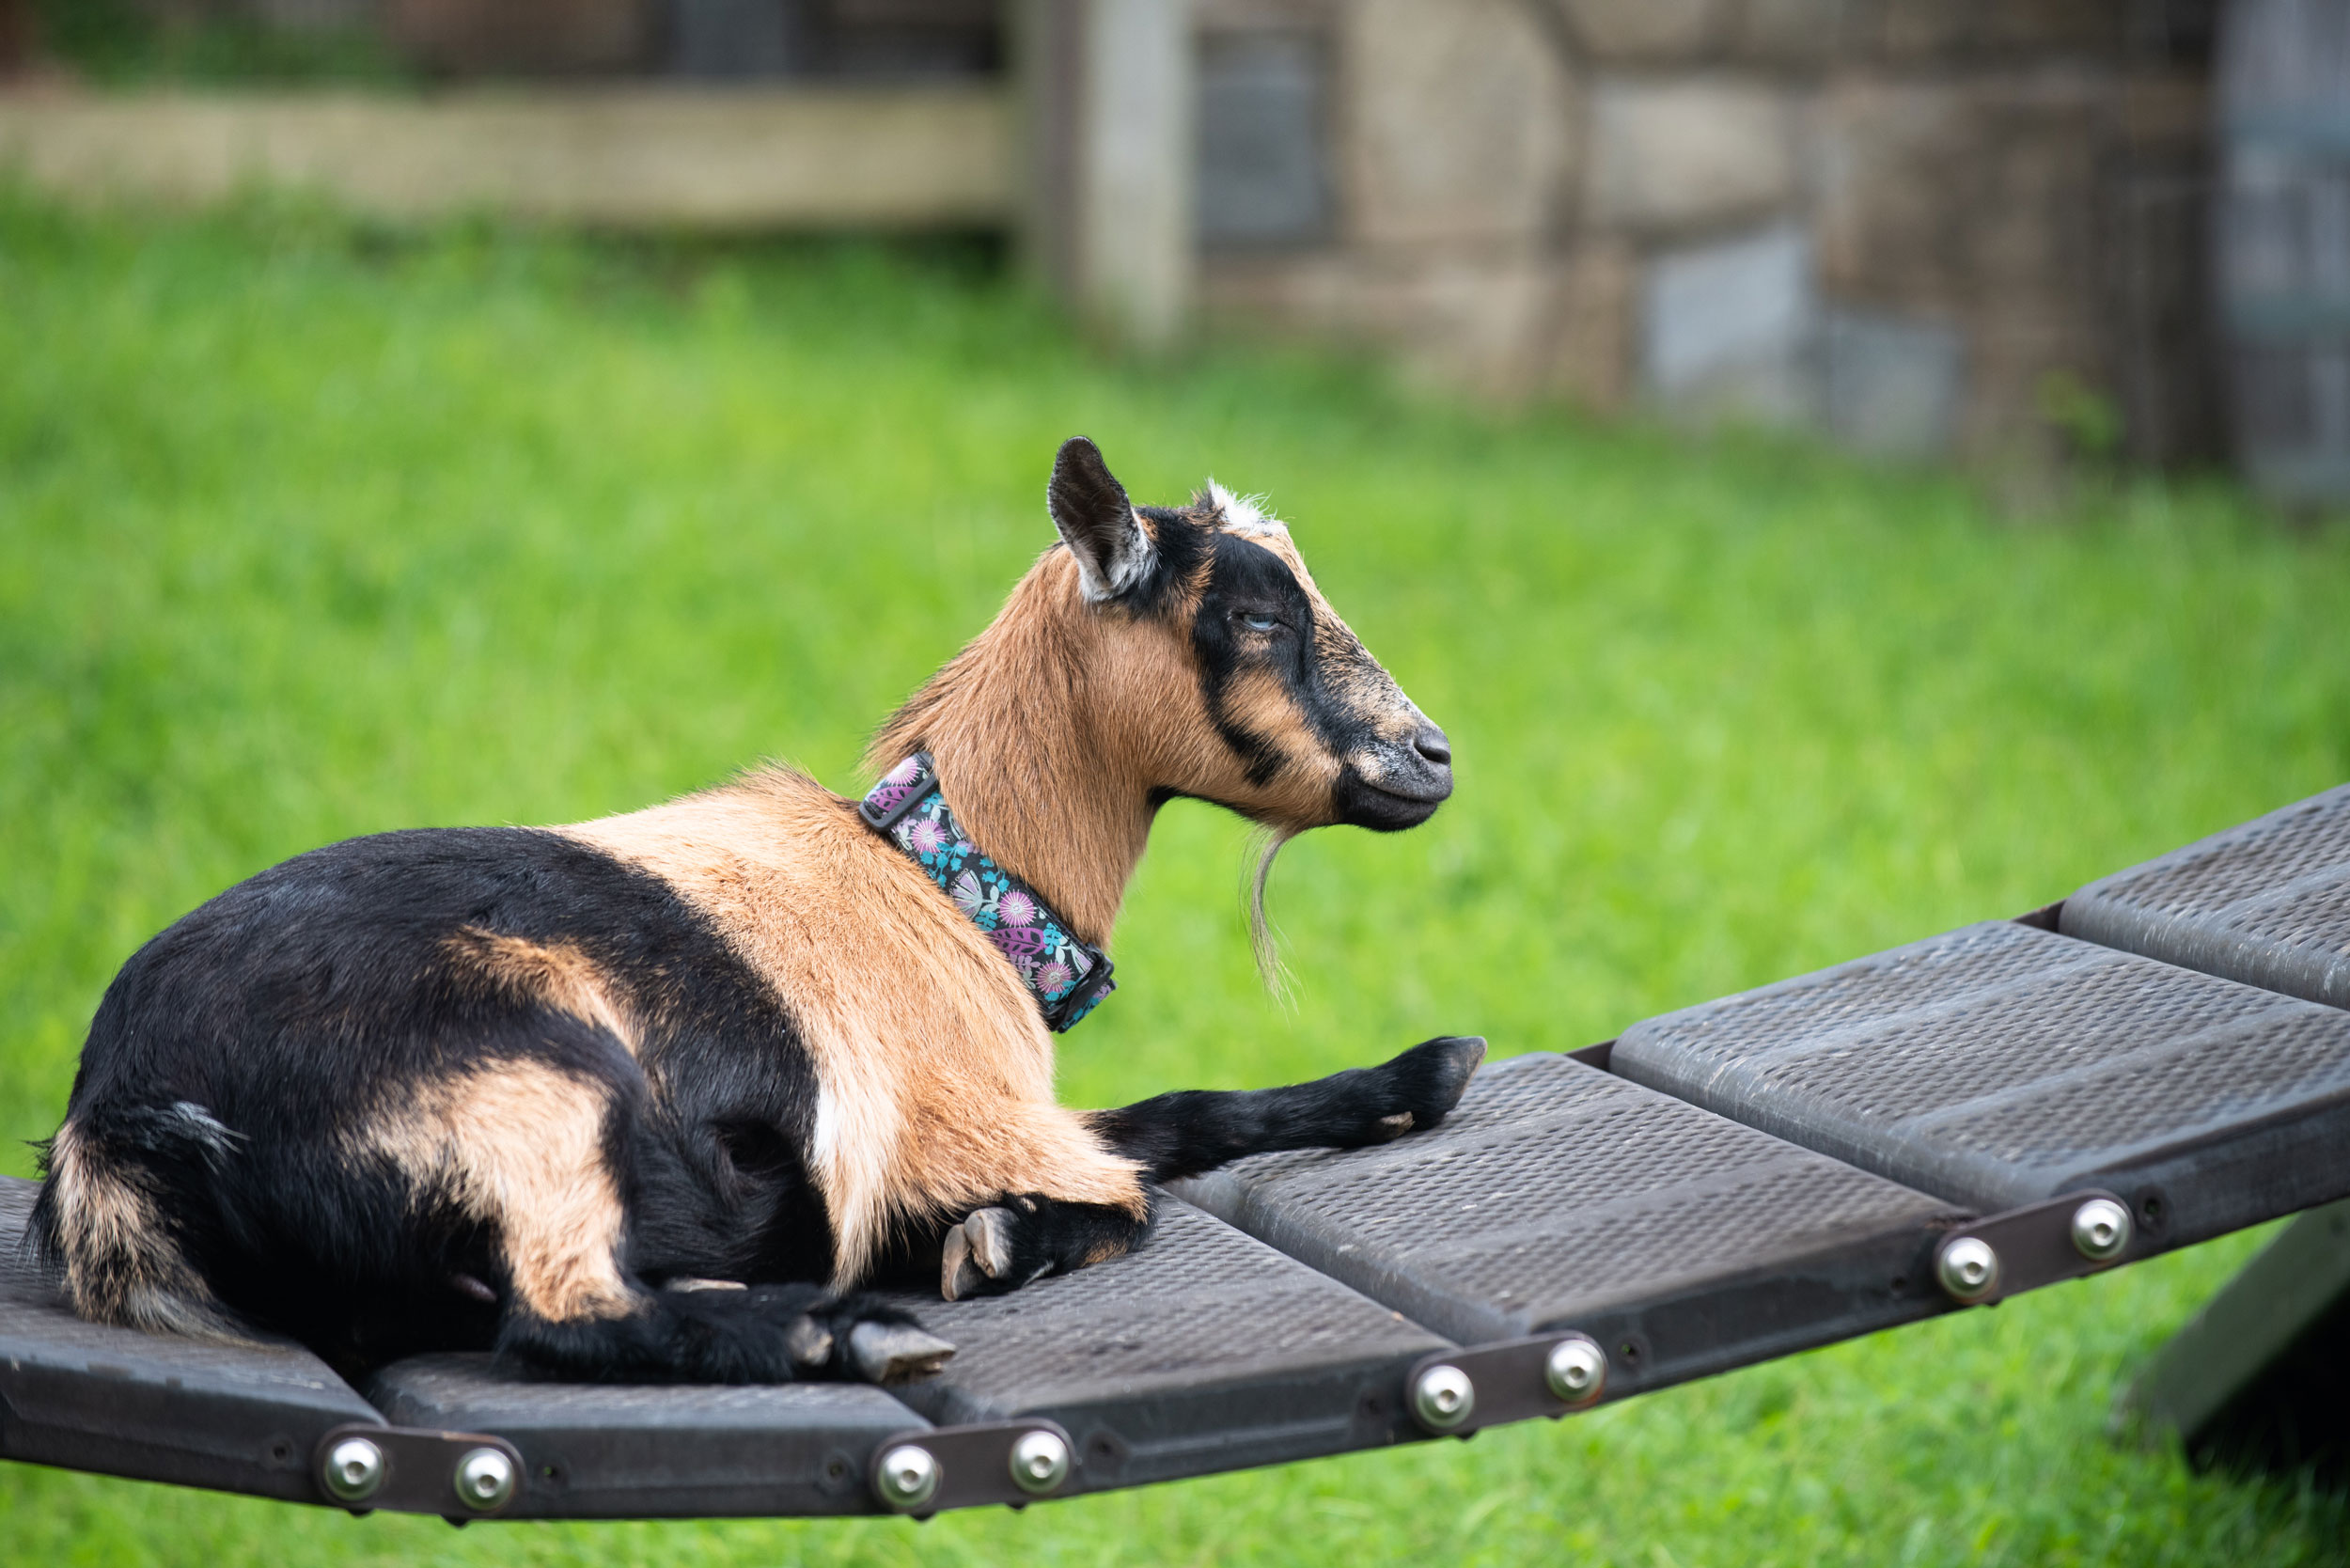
1067, 977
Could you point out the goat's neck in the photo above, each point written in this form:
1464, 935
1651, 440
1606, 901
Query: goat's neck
1025, 729
1052, 804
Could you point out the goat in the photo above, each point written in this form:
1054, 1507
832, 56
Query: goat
650, 1098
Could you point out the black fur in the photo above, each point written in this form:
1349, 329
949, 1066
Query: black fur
705, 1336
1089, 508
1196, 1129
296, 1005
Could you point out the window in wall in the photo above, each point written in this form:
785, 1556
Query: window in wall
1263, 142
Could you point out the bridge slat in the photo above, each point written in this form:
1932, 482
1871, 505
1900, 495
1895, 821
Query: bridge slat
1556, 1197
2000, 1065
1204, 1351
2268, 903
596, 1450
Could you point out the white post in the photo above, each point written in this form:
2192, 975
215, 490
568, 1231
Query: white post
1110, 91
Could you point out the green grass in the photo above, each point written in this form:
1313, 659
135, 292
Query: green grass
308, 531
133, 43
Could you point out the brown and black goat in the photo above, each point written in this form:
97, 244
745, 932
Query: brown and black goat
649, 1098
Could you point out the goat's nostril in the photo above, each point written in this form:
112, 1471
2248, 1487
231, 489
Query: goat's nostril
1431, 742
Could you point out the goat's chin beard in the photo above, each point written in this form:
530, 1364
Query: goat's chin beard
1265, 846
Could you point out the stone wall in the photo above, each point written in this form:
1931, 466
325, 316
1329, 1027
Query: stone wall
1918, 224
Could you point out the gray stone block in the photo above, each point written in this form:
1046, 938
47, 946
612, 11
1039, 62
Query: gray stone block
1890, 384
1726, 328
1690, 153
1795, 31
1461, 130
1645, 30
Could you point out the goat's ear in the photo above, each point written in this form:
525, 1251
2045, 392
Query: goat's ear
1099, 524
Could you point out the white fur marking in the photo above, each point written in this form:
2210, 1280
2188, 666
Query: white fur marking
1244, 514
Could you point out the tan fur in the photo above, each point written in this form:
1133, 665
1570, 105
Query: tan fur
121, 1265
519, 1146
1258, 703
1038, 746
935, 1071
557, 974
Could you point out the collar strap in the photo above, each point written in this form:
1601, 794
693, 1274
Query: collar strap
1065, 976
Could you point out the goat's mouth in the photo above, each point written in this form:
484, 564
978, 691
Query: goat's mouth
1391, 804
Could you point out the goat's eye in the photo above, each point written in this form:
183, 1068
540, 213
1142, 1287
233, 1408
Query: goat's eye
1261, 622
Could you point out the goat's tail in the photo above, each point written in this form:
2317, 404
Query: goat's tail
99, 1222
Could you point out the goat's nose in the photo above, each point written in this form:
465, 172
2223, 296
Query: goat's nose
1429, 743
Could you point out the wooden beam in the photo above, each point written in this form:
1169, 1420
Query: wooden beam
807, 158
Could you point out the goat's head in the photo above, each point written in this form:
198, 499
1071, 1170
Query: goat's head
1215, 659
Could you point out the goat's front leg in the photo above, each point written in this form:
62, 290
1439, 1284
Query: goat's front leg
1028, 1235
1196, 1129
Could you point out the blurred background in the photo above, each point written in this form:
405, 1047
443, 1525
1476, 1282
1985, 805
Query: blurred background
1838, 469
2017, 229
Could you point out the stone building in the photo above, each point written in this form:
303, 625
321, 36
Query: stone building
1923, 225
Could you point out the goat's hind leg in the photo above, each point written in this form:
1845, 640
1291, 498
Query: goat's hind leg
760, 1334
528, 1149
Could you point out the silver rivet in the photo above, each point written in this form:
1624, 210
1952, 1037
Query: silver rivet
485, 1480
1577, 1370
909, 1476
1443, 1398
2101, 1229
354, 1468
1969, 1270
1039, 1463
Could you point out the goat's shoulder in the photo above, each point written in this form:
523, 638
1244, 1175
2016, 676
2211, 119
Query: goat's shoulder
838, 919
918, 1032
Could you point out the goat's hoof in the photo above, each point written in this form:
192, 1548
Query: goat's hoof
896, 1351
808, 1343
977, 1250
958, 1273
989, 1232
1433, 1076
1397, 1125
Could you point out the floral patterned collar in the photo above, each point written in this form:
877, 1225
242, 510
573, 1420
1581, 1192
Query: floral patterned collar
1067, 977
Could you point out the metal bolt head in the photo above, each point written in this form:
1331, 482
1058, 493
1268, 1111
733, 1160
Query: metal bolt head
1968, 1269
908, 1477
2101, 1229
1039, 1463
1577, 1370
485, 1480
1443, 1398
355, 1469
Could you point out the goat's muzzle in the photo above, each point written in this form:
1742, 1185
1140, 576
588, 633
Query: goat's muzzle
1394, 785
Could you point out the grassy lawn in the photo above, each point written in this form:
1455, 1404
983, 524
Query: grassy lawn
308, 531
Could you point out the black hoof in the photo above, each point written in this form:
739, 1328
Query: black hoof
1428, 1081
